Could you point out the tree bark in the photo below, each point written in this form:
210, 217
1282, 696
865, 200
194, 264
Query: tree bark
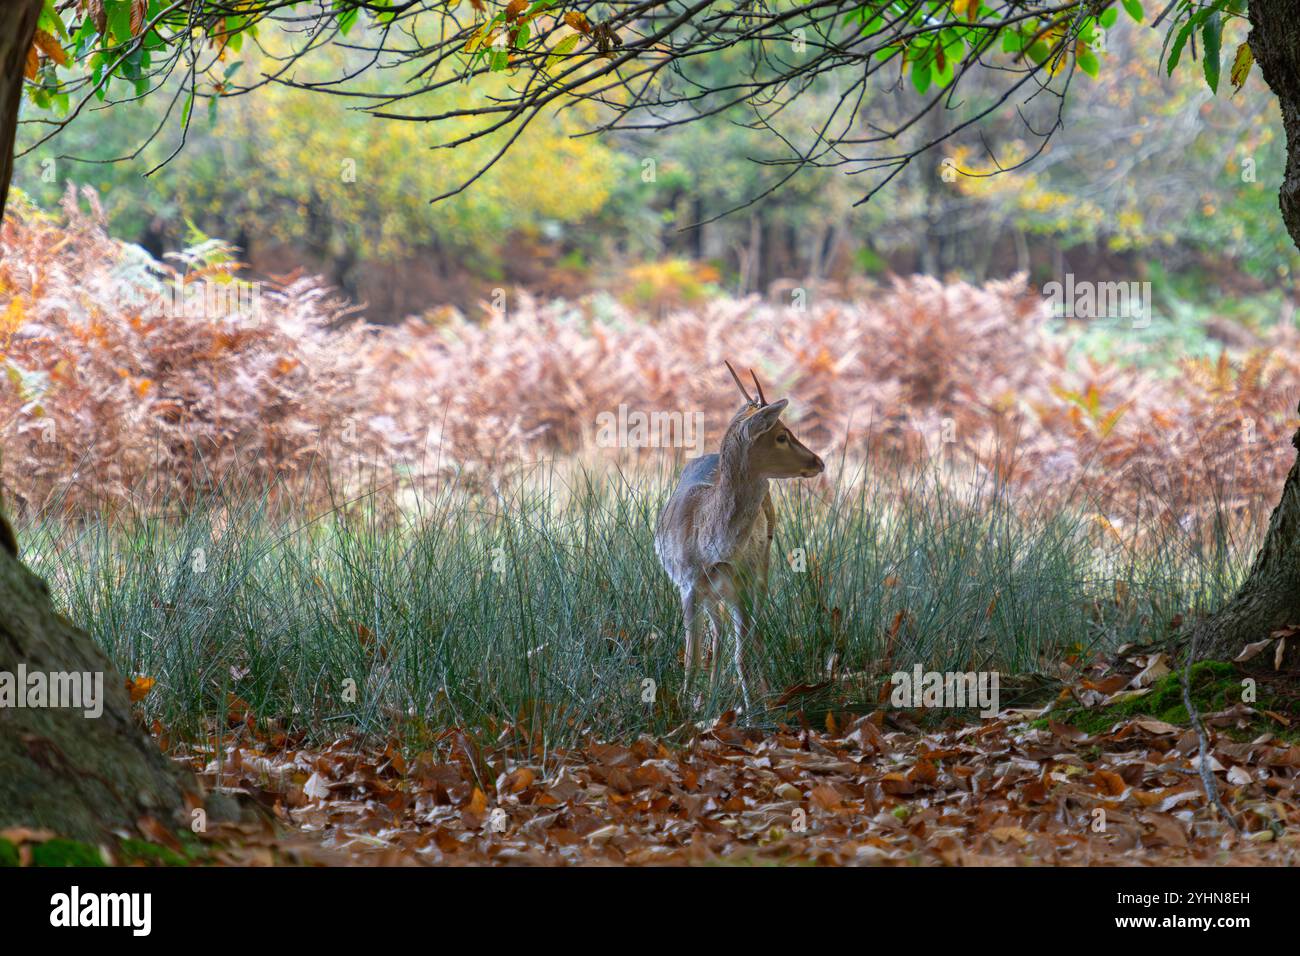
19, 19
1270, 596
82, 777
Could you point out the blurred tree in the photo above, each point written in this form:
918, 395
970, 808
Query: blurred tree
285, 167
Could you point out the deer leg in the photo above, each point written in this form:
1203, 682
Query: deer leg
690, 614
742, 624
715, 619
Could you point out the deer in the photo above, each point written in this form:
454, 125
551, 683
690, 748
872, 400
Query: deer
714, 535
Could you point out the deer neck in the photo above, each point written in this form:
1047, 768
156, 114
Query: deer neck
737, 499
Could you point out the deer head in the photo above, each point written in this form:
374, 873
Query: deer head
770, 448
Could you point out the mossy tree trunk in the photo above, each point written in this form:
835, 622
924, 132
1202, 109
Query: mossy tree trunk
83, 777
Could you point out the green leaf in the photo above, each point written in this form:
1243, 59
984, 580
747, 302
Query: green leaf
85, 33
562, 49
954, 48
1134, 8
942, 78
185, 110
921, 76
1108, 17
871, 26
97, 74
1087, 61
1212, 34
51, 21
119, 19
1039, 52
1176, 51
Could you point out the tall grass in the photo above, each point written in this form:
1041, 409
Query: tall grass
542, 606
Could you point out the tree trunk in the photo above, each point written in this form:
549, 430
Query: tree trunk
82, 777
1270, 596
19, 19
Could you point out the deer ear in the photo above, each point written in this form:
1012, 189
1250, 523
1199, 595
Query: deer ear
765, 419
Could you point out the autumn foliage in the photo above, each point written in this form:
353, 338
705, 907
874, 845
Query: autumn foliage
113, 392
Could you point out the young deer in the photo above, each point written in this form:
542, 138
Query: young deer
714, 536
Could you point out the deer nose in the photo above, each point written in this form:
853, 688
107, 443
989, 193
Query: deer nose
817, 468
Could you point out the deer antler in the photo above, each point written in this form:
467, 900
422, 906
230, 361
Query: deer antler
762, 399
738, 383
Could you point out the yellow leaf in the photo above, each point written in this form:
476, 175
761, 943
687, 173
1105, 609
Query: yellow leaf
1241, 65
966, 8
139, 687
12, 318
578, 21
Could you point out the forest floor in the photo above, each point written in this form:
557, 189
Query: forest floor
1105, 774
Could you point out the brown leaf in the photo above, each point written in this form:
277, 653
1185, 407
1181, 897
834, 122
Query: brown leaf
51, 47
519, 780
1251, 650
1109, 783
1073, 734
799, 690
477, 804
827, 798
155, 832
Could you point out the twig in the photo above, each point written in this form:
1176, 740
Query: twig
1203, 765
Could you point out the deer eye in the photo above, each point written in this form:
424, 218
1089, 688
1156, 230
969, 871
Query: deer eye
780, 439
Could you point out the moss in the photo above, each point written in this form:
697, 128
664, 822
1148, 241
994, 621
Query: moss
1215, 686
151, 854
61, 852
195, 850
8, 853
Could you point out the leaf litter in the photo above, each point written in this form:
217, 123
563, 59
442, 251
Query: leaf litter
870, 789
